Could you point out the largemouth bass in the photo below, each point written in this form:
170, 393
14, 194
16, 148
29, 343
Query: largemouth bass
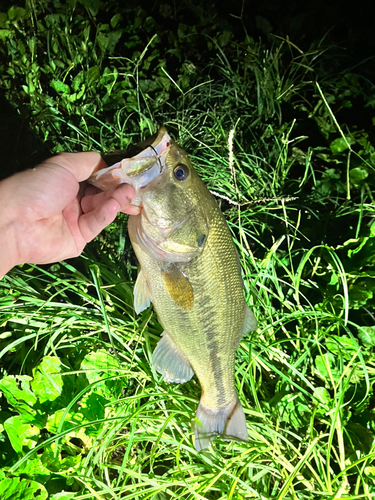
190, 271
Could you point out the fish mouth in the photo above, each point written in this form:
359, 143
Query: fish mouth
139, 170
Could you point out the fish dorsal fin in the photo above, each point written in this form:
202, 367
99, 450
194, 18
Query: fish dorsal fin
250, 323
141, 292
178, 286
168, 361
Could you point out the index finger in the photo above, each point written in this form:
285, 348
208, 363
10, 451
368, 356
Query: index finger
81, 165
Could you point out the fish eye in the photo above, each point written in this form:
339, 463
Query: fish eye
181, 172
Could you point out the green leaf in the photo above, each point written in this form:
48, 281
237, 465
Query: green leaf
78, 80
107, 42
48, 383
92, 408
322, 395
16, 13
325, 366
344, 345
33, 467
358, 174
58, 463
3, 20
92, 76
361, 438
63, 495
340, 144
332, 174
148, 85
17, 391
360, 294
22, 489
4, 33
20, 433
115, 20
54, 420
92, 5
293, 410
367, 335
101, 365
60, 86
224, 38
365, 251
370, 471
113, 39
102, 41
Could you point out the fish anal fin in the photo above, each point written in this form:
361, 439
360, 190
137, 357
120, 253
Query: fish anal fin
168, 361
178, 286
250, 323
228, 423
142, 299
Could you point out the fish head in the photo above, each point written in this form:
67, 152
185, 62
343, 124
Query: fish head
173, 224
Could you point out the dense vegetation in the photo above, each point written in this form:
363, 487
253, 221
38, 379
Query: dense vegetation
281, 137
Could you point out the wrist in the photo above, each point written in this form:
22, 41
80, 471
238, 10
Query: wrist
8, 231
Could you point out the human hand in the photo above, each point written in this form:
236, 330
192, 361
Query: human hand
49, 213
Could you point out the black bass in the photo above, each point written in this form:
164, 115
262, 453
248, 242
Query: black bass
190, 271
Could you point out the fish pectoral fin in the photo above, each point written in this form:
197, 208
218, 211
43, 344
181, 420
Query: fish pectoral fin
229, 423
142, 299
178, 286
168, 361
250, 323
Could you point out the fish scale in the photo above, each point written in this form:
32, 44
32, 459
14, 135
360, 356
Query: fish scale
223, 328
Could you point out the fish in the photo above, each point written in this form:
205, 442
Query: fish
191, 273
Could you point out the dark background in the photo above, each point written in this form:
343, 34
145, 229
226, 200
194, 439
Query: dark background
349, 26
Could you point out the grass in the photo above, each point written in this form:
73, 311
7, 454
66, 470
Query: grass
84, 414
135, 438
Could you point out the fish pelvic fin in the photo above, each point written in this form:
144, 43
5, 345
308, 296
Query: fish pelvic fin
250, 323
229, 423
141, 292
168, 361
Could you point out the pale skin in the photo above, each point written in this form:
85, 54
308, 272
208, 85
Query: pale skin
49, 213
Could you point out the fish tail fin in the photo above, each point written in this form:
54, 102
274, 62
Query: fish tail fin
229, 423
